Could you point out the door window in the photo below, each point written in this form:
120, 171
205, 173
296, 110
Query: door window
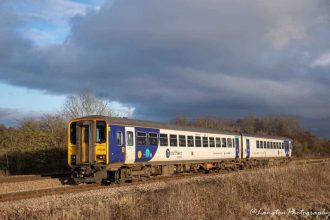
86, 135
130, 139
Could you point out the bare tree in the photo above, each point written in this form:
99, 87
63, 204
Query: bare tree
181, 120
85, 103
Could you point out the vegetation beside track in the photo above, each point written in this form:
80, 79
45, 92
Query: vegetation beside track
232, 196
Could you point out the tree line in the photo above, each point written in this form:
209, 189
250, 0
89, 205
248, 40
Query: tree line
305, 142
39, 145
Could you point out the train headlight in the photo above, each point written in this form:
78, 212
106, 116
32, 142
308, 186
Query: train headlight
73, 159
101, 158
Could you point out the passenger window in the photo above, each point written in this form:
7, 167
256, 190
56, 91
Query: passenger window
224, 142
258, 144
153, 139
163, 138
182, 140
119, 136
73, 133
211, 140
229, 141
205, 142
130, 139
217, 142
173, 140
198, 141
100, 132
190, 140
268, 145
141, 138
265, 144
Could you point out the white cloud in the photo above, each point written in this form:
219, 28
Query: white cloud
286, 31
48, 21
323, 60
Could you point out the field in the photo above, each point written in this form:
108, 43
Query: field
222, 196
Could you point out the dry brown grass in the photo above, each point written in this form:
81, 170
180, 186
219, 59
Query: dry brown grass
230, 196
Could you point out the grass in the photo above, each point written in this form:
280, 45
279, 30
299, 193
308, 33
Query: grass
229, 196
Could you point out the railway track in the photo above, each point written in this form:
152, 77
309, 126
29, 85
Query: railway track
88, 187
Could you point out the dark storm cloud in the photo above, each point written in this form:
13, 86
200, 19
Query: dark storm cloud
224, 58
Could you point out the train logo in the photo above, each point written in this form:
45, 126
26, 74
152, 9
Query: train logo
139, 154
148, 153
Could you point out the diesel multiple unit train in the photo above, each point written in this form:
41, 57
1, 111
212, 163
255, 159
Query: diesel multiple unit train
119, 149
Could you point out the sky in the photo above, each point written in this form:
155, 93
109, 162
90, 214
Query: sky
157, 59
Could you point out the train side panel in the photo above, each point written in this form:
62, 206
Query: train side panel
216, 150
265, 147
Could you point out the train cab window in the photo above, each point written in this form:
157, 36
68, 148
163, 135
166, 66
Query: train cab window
73, 133
182, 140
119, 138
268, 145
205, 142
163, 139
217, 142
153, 139
173, 140
198, 141
230, 143
224, 142
141, 138
100, 132
211, 140
130, 139
190, 140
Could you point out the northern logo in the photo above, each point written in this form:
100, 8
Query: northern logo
168, 153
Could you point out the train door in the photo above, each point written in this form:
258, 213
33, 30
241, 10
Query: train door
247, 148
85, 144
237, 148
130, 145
286, 148
117, 144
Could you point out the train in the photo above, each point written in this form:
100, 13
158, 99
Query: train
104, 149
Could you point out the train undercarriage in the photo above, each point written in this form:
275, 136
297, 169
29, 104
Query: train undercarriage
120, 173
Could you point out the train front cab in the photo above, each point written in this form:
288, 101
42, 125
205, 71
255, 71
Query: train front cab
87, 147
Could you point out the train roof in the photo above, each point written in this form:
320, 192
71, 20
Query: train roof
168, 126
